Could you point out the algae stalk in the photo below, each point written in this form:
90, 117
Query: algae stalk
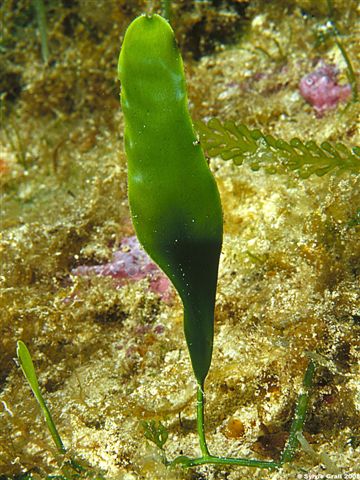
300, 415
28, 369
165, 9
41, 20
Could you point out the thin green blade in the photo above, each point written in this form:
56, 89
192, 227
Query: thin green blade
28, 369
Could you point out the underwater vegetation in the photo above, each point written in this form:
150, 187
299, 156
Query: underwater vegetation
238, 143
112, 363
175, 205
70, 468
41, 20
174, 201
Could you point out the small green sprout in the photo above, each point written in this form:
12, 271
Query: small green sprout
300, 415
71, 469
155, 432
165, 9
28, 369
41, 20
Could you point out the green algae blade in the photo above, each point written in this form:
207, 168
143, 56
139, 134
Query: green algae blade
174, 200
28, 369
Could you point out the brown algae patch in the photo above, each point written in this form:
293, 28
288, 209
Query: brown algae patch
107, 357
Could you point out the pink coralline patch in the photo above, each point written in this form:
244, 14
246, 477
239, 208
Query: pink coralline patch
129, 264
321, 89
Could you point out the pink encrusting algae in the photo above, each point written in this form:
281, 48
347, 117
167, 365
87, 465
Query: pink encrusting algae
130, 263
320, 88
